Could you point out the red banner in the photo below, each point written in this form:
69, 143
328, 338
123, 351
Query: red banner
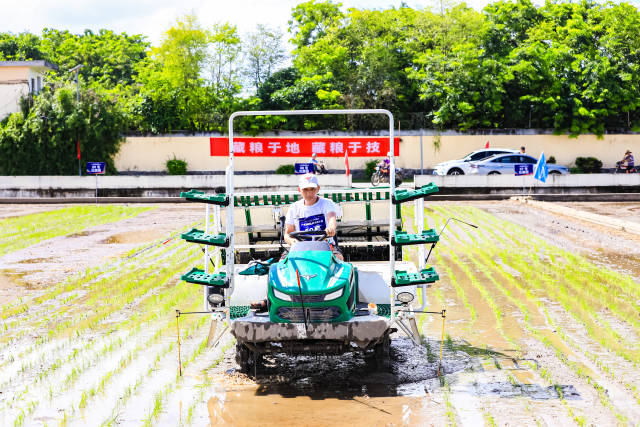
304, 147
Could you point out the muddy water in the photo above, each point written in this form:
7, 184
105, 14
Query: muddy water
341, 390
134, 237
251, 405
12, 286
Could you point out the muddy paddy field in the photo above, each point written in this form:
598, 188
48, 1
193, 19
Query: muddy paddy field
542, 327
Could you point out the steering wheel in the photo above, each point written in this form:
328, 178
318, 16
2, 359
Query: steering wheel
316, 235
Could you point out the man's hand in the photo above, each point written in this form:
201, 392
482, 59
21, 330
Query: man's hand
289, 228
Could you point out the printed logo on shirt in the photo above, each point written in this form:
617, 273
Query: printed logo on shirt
313, 222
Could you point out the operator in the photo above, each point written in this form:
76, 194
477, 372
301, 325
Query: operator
385, 164
318, 167
627, 161
312, 212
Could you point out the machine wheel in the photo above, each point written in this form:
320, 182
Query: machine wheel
382, 354
243, 356
493, 173
375, 179
248, 361
455, 171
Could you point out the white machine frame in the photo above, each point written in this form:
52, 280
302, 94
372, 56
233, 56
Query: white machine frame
395, 316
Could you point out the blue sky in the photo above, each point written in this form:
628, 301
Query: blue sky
152, 17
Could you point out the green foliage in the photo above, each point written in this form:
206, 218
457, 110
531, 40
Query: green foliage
286, 170
369, 169
588, 165
176, 166
551, 160
43, 141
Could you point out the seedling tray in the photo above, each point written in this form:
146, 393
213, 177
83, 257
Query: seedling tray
403, 195
199, 196
402, 278
199, 236
199, 277
401, 238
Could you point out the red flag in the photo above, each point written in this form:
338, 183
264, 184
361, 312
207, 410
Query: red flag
346, 161
78, 147
486, 145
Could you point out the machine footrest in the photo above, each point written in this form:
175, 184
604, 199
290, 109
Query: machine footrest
401, 238
402, 278
195, 275
199, 236
403, 195
199, 196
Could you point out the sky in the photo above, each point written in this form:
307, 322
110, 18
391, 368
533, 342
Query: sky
152, 17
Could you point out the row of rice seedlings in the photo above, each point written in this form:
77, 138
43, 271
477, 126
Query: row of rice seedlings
171, 385
611, 288
576, 367
100, 300
148, 305
560, 354
87, 281
580, 289
133, 388
206, 385
189, 328
77, 371
24, 231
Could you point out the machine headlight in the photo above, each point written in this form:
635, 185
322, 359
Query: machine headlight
281, 295
405, 297
215, 298
334, 295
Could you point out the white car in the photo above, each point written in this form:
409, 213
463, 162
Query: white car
462, 166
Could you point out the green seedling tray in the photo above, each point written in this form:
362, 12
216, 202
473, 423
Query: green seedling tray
199, 236
401, 238
402, 278
199, 196
195, 275
403, 195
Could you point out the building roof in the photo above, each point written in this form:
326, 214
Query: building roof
40, 64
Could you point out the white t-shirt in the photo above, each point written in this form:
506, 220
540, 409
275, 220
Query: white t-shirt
313, 217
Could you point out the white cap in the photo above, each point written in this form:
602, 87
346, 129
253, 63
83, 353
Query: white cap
308, 180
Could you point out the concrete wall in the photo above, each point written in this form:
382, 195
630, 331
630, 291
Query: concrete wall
150, 186
566, 184
151, 153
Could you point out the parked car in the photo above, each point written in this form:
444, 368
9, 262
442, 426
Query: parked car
507, 164
461, 166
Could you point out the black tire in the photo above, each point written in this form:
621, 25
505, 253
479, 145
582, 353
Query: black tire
375, 179
554, 173
398, 180
382, 354
455, 171
494, 173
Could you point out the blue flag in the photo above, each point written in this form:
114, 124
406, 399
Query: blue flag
542, 170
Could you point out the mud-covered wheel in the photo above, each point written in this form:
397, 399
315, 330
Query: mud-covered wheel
382, 354
248, 361
243, 358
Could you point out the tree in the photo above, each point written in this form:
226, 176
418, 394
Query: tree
225, 48
264, 52
310, 21
43, 141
